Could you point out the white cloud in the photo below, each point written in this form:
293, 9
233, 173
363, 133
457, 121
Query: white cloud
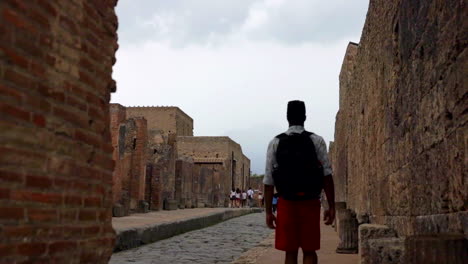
232, 66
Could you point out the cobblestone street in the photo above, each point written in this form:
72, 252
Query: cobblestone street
221, 243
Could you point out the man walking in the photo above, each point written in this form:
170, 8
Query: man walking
250, 194
298, 167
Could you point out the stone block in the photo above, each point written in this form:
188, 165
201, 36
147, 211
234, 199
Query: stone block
118, 210
182, 203
170, 204
387, 250
143, 207
369, 232
188, 203
440, 248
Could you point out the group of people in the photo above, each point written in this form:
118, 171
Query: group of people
241, 198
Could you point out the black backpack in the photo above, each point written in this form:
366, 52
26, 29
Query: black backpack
299, 175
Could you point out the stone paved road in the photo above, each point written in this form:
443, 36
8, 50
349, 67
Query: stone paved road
221, 243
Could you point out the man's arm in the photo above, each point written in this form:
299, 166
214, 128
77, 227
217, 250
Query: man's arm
269, 184
269, 189
328, 186
270, 217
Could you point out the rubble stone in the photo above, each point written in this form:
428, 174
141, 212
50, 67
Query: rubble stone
387, 251
368, 232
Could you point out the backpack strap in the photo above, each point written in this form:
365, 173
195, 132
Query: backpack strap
281, 136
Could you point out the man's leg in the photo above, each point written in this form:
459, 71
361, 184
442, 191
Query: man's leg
310, 257
291, 257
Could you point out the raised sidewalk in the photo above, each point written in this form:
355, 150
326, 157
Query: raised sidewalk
139, 229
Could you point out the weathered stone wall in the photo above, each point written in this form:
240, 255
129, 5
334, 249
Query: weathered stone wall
339, 150
117, 118
234, 168
245, 173
256, 183
222, 148
237, 164
203, 147
183, 183
167, 120
129, 139
56, 164
400, 139
138, 162
164, 125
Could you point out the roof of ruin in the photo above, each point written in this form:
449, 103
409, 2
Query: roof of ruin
163, 108
208, 139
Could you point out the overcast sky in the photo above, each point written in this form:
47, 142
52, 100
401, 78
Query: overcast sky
233, 65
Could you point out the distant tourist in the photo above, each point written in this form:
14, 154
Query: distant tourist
244, 198
250, 194
274, 202
238, 197
232, 197
297, 165
260, 199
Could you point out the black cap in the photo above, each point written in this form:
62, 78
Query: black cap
296, 110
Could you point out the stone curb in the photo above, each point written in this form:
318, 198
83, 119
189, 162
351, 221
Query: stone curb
134, 237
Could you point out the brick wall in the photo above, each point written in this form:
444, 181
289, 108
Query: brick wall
56, 166
130, 143
117, 128
138, 162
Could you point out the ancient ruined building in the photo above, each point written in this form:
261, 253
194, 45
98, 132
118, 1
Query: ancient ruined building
145, 156
399, 154
164, 125
219, 166
56, 163
160, 165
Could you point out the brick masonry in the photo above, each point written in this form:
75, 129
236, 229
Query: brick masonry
56, 166
399, 154
129, 139
164, 125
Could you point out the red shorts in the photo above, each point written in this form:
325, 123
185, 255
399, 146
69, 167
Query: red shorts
298, 225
